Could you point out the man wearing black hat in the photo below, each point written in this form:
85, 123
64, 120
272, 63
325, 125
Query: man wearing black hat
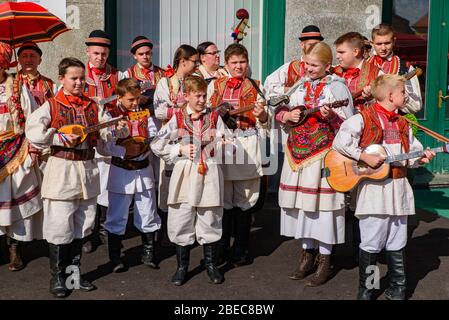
101, 81
30, 57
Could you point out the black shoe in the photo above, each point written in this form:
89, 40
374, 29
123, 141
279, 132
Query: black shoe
210, 257
396, 274
99, 234
148, 250
59, 255
114, 248
182, 257
366, 259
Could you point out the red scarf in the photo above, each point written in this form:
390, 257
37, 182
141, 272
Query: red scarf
169, 72
351, 73
392, 116
74, 100
378, 61
234, 83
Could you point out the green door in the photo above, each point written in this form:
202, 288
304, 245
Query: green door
437, 84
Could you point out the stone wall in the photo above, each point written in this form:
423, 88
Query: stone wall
333, 17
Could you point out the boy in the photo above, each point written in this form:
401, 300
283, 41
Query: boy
195, 198
131, 177
383, 40
383, 206
71, 180
243, 179
357, 72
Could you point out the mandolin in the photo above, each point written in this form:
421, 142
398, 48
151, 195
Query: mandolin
229, 114
143, 142
306, 112
344, 174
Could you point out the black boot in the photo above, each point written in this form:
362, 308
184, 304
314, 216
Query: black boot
99, 234
162, 234
242, 228
75, 255
182, 257
59, 255
355, 238
210, 258
224, 244
365, 259
148, 250
115, 248
15, 256
396, 274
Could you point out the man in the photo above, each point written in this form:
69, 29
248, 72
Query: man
41, 87
101, 80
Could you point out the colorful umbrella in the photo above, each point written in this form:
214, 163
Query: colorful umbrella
27, 21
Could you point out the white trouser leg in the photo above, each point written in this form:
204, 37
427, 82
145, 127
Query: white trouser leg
146, 218
181, 224
325, 248
118, 210
208, 224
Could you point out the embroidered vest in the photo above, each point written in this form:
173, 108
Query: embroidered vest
373, 133
62, 113
243, 96
108, 82
296, 70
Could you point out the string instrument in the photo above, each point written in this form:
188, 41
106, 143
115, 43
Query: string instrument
344, 174
417, 72
83, 131
144, 86
141, 141
306, 112
239, 32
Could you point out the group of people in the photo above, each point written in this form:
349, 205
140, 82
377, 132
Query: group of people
183, 148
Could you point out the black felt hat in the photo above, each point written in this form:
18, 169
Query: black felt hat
311, 32
139, 42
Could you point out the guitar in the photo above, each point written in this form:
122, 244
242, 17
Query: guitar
306, 112
344, 174
144, 86
417, 72
142, 142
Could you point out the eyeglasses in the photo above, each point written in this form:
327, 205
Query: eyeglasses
213, 53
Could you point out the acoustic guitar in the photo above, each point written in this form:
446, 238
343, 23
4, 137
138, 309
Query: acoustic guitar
344, 174
306, 112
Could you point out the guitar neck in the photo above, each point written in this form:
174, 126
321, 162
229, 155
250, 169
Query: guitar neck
108, 100
242, 110
316, 109
412, 155
103, 125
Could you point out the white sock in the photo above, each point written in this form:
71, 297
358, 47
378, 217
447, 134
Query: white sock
325, 248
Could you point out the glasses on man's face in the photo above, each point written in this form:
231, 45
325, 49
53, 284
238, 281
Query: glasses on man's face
213, 53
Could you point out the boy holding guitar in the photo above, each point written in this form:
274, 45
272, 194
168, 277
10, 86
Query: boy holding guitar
131, 176
383, 206
310, 209
71, 180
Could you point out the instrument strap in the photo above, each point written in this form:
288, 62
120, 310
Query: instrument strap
431, 133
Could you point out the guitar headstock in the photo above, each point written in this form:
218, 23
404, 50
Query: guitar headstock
137, 115
275, 101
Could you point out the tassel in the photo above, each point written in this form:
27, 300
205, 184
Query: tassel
202, 167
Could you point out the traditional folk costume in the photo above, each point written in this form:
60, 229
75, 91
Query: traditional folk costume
358, 78
20, 179
101, 83
382, 206
310, 209
71, 180
394, 65
195, 197
242, 173
203, 73
133, 179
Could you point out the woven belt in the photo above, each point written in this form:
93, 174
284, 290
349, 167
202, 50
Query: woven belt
130, 164
72, 154
398, 172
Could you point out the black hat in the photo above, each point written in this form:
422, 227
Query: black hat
140, 41
311, 32
367, 43
31, 46
98, 38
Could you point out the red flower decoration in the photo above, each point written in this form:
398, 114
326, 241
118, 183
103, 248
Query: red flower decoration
169, 72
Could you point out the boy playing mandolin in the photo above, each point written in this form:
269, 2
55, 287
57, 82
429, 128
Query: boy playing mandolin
131, 177
71, 181
383, 206
310, 209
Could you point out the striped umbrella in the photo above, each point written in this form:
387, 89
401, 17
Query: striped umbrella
27, 21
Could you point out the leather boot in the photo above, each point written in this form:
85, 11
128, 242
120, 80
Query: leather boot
15, 260
242, 229
396, 275
366, 259
163, 238
58, 255
99, 234
148, 250
224, 244
182, 257
210, 257
322, 272
115, 248
305, 266
75, 255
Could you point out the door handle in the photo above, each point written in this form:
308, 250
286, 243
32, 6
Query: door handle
441, 98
